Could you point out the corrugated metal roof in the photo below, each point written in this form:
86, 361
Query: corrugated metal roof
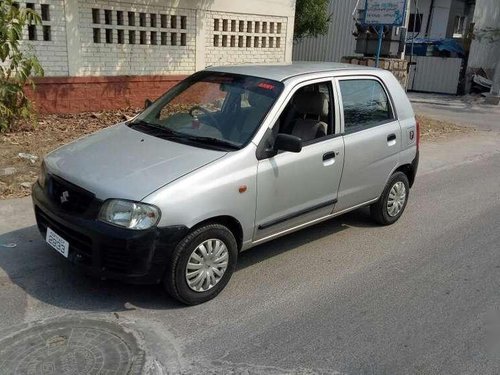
338, 42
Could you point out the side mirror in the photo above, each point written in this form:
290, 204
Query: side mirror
287, 142
147, 103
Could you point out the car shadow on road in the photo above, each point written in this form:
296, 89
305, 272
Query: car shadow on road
47, 277
359, 218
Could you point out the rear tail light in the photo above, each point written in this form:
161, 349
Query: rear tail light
418, 135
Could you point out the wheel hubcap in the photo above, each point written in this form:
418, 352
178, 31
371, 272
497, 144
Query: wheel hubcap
206, 265
397, 198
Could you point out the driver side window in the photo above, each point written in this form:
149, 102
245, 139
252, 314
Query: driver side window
309, 114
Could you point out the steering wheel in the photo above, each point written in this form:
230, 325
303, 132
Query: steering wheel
210, 117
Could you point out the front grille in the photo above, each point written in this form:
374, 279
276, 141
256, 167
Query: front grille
68, 196
78, 242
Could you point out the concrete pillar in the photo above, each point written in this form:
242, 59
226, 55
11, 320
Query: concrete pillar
405, 26
72, 36
289, 37
495, 88
494, 97
201, 38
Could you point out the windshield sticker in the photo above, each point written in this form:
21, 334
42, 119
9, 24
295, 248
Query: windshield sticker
265, 86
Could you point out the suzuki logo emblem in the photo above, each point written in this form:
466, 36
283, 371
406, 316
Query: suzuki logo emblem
64, 197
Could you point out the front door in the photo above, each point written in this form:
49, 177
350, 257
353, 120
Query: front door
297, 188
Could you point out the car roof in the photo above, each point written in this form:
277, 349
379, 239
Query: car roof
281, 72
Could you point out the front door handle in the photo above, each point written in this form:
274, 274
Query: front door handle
329, 155
329, 158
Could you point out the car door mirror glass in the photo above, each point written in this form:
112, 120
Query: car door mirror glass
147, 103
287, 142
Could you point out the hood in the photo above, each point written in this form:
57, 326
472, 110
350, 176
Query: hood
120, 162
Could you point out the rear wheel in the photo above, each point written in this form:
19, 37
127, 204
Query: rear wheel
202, 264
391, 204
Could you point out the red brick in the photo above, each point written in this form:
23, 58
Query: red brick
80, 94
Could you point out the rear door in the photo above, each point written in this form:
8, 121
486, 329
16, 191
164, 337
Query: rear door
372, 138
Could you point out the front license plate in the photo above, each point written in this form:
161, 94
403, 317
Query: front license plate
57, 242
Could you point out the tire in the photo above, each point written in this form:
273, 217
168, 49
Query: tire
175, 280
380, 210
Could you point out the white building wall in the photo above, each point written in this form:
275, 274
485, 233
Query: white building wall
53, 54
243, 38
107, 47
442, 19
439, 19
144, 50
422, 7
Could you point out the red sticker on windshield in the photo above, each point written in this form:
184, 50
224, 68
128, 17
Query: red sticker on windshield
265, 86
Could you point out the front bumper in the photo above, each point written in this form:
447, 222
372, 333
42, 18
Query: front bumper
106, 251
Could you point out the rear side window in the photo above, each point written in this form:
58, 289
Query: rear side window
365, 104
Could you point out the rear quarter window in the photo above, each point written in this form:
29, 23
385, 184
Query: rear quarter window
365, 104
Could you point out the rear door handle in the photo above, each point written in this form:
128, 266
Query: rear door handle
329, 155
391, 140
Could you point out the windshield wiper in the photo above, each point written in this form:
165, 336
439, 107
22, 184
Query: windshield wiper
161, 132
136, 122
155, 130
212, 141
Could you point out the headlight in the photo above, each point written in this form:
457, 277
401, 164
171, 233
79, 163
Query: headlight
42, 177
128, 214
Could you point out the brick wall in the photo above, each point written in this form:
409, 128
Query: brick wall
81, 94
241, 38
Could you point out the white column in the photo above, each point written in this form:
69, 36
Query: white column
289, 38
201, 38
405, 26
495, 87
72, 36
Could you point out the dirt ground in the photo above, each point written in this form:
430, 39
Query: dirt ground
17, 174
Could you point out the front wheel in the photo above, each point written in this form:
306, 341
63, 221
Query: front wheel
201, 264
391, 204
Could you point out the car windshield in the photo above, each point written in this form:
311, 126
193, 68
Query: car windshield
211, 109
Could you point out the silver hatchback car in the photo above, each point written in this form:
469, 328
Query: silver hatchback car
229, 158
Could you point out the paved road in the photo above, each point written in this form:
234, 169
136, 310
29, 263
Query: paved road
419, 297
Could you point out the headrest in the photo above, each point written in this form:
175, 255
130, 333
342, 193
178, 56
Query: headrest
311, 103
